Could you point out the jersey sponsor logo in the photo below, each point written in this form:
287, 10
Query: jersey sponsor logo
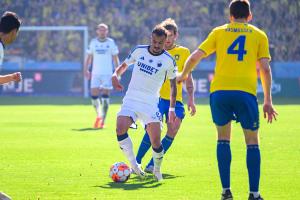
101, 51
146, 68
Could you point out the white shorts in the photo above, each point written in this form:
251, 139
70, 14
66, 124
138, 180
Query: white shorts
146, 113
101, 81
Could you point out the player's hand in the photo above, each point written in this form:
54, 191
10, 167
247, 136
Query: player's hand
269, 112
17, 76
116, 83
191, 107
87, 74
172, 117
180, 78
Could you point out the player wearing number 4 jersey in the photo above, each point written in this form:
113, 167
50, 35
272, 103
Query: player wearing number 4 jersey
238, 46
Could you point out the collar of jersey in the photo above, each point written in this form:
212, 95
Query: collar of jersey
176, 45
155, 54
102, 40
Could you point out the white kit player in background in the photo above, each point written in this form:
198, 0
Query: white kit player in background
152, 65
9, 28
103, 56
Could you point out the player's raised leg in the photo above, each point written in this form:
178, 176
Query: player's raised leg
154, 131
123, 124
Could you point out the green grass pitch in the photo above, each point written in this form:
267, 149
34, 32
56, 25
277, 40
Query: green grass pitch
50, 152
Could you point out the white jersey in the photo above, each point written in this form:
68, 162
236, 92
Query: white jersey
149, 73
1, 53
102, 52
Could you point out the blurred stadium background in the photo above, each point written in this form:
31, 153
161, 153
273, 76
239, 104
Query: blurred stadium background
52, 60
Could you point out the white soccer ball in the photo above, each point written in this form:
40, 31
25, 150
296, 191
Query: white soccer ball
119, 172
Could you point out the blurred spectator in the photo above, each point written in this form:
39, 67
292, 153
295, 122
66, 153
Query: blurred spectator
131, 20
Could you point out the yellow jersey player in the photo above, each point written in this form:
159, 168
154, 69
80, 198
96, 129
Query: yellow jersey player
238, 46
180, 54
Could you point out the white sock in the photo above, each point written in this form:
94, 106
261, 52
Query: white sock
127, 148
157, 158
255, 194
96, 104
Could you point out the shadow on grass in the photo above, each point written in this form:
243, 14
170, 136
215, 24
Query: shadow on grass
86, 129
135, 183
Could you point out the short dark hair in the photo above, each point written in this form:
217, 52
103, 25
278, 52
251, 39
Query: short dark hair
170, 25
9, 21
239, 9
159, 31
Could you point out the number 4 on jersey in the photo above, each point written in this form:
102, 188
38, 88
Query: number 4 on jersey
240, 42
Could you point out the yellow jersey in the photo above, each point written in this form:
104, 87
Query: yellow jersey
238, 46
180, 54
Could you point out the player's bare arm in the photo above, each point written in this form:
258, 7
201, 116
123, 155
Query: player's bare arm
190, 93
172, 100
190, 64
115, 77
116, 60
11, 77
266, 79
88, 63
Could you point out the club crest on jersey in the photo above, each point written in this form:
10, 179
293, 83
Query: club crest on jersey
176, 57
157, 116
159, 64
146, 68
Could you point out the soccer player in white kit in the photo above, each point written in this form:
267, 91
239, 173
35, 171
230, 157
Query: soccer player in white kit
9, 28
152, 65
103, 55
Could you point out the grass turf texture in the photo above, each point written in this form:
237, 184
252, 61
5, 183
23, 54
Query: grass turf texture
50, 152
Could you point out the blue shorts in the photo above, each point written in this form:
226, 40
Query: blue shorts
234, 105
164, 105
